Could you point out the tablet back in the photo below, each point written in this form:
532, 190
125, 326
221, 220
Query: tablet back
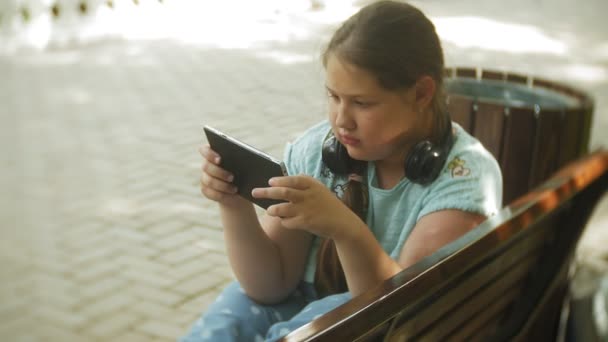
251, 168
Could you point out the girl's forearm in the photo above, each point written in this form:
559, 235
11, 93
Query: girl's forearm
253, 256
364, 261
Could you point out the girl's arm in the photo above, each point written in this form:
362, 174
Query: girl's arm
267, 259
312, 207
366, 264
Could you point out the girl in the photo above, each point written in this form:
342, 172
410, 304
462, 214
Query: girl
386, 180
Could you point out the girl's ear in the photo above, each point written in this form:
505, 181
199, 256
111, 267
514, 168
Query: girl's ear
425, 90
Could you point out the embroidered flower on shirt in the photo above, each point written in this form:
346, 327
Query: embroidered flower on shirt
456, 166
325, 172
339, 190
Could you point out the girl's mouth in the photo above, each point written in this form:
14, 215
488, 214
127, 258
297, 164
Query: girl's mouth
348, 140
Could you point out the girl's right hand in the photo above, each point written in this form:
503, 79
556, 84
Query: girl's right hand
216, 183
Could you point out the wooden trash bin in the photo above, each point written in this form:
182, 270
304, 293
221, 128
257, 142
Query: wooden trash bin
532, 126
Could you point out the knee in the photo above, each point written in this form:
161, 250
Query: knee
213, 329
231, 300
279, 330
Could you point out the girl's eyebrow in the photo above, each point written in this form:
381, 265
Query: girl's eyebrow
346, 95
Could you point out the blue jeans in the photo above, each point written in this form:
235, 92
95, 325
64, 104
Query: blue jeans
235, 317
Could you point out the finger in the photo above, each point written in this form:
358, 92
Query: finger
216, 171
292, 222
216, 184
213, 194
281, 210
209, 154
296, 182
278, 193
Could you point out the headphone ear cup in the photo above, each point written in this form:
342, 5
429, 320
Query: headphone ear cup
335, 156
424, 162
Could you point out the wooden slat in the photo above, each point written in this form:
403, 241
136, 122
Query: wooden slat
566, 90
489, 124
466, 72
375, 334
546, 146
516, 78
492, 75
516, 158
448, 72
560, 88
488, 321
586, 129
570, 136
539, 82
461, 111
543, 320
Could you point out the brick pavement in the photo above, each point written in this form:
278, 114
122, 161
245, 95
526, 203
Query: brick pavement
104, 233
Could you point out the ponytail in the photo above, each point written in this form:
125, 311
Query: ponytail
329, 276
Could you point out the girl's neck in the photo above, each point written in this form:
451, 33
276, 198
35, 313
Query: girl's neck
389, 173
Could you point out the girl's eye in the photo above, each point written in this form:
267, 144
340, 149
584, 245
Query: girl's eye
362, 104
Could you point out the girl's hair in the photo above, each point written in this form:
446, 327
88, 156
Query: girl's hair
398, 44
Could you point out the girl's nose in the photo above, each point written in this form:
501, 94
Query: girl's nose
343, 116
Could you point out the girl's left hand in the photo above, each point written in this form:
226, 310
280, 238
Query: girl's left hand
310, 206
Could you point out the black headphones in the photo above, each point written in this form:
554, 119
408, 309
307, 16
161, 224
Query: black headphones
422, 164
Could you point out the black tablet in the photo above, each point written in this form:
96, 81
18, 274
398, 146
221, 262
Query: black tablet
251, 167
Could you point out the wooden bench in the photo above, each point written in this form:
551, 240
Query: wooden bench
505, 279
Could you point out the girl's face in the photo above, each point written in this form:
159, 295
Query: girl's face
374, 124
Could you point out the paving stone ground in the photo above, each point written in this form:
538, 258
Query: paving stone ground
104, 235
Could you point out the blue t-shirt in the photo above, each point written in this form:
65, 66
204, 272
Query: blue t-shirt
470, 181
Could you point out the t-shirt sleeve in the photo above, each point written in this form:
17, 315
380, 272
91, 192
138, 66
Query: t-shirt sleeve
291, 163
303, 155
471, 181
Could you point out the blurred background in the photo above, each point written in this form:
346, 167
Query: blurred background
103, 232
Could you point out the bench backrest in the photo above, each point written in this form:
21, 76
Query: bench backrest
504, 279
531, 126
